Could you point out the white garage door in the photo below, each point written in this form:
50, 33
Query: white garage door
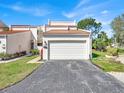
68, 50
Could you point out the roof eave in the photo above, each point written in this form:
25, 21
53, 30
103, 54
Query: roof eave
65, 34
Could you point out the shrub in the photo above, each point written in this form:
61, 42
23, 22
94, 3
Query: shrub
5, 56
34, 51
112, 51
2, 55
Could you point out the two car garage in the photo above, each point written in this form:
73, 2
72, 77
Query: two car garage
67, 50
72, 45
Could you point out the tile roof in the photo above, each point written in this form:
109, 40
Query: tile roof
66, 32
12, 32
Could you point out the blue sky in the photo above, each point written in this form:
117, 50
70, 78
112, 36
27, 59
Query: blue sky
37, 12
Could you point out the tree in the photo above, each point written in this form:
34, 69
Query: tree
101, 42
91, 25
118, 27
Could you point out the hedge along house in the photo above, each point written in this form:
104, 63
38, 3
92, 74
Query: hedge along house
15, 41
63, 41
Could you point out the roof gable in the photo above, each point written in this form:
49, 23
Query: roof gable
2, 24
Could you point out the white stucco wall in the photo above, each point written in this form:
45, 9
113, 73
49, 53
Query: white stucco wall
56, 28
2, 43
42, 28
33, 33
34, 36
18, 42
20, 28
60, 28
64, 23
48, 38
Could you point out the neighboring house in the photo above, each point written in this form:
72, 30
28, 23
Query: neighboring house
36, 34
62, 40
15, 41
3, 26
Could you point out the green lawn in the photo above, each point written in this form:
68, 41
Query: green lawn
106, 64
15, 71
121, 51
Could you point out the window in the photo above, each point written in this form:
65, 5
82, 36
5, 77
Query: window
39, 44
4, 48
2, 36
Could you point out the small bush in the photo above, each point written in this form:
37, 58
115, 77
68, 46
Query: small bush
34, 51
5, 56
2, 55
112, 51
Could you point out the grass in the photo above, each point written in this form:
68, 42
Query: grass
121, 51
15, 71
106, 64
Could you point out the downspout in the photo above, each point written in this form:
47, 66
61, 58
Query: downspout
6, 43
90, 45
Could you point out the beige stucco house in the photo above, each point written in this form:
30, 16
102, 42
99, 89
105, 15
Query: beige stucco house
15, 41
58, 40
63, 41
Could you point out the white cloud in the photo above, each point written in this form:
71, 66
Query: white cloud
77, 10
82, 2
69, 15
88, 15
36, 11
81, 9
40, 12
105, 12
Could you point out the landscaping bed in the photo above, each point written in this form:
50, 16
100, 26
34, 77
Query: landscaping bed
15, 71
106, 64
4, 56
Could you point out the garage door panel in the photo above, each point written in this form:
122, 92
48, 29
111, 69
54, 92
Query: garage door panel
67, 50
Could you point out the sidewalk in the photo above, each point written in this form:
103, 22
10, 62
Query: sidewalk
121, 59
118, 75
11, 60
36, 60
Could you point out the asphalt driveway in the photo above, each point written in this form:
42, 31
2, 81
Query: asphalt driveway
67, 77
